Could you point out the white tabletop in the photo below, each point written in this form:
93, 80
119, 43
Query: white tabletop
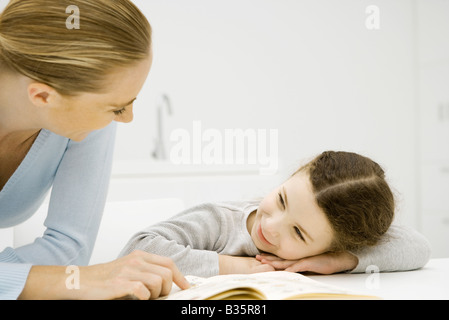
430, 282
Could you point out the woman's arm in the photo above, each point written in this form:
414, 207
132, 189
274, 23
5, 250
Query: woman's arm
76, 205
77, 202
139, 275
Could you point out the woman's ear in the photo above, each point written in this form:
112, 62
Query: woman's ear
42, 95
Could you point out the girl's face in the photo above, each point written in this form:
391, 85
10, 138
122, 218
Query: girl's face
289, 223
75, 117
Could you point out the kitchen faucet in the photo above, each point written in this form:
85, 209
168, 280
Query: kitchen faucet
159, 151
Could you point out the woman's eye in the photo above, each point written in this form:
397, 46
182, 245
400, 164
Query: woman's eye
281, 200
119, 112
298, 232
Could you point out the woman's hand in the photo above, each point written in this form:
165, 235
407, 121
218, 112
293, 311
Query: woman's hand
325, 263
139, 275
233, 264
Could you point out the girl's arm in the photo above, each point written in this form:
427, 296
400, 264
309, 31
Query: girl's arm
190, 239
234, 264
194, 238
401, 249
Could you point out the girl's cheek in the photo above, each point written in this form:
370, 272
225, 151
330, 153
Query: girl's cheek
267, 204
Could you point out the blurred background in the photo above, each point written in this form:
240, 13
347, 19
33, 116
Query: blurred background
370, 77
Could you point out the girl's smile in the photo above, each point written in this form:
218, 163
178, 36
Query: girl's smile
262, 237
289, 223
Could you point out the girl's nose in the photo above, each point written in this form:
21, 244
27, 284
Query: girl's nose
273, 225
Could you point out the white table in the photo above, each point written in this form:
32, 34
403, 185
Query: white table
430, 282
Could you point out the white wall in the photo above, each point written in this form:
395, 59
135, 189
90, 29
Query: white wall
310, 69
432, 32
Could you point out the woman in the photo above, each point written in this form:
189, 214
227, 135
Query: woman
61, 90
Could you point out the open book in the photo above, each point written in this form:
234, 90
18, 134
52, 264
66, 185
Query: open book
275, 285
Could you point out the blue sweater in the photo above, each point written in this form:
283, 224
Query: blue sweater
78, 175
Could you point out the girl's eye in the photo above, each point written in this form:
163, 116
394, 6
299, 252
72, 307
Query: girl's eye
281, 200
298, 232
119, 112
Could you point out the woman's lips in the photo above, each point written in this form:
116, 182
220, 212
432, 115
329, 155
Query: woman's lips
261, 236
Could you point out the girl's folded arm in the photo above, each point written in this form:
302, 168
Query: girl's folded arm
402, 248
191, 236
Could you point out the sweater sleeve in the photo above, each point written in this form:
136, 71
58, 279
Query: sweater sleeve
401, 249
194, 235
76, 206
12, 279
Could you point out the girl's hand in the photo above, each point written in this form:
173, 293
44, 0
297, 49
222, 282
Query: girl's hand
325, 263
233, 264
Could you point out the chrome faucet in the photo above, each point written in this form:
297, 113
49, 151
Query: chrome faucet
159, 151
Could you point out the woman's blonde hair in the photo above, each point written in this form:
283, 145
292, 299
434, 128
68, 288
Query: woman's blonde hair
36, 42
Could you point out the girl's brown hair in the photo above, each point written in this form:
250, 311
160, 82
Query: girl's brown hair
352, 191
35, 41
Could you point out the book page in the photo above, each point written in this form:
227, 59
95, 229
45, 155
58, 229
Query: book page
279, 285
203, 288
275, 285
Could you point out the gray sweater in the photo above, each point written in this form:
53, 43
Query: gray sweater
195, 237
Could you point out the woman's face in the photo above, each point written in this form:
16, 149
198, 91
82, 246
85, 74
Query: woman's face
289, 223
75, 117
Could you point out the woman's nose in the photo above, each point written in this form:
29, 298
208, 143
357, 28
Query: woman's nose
127, 116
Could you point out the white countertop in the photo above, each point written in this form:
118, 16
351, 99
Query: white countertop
429, 282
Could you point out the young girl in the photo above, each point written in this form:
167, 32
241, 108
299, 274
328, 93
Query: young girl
333, 214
